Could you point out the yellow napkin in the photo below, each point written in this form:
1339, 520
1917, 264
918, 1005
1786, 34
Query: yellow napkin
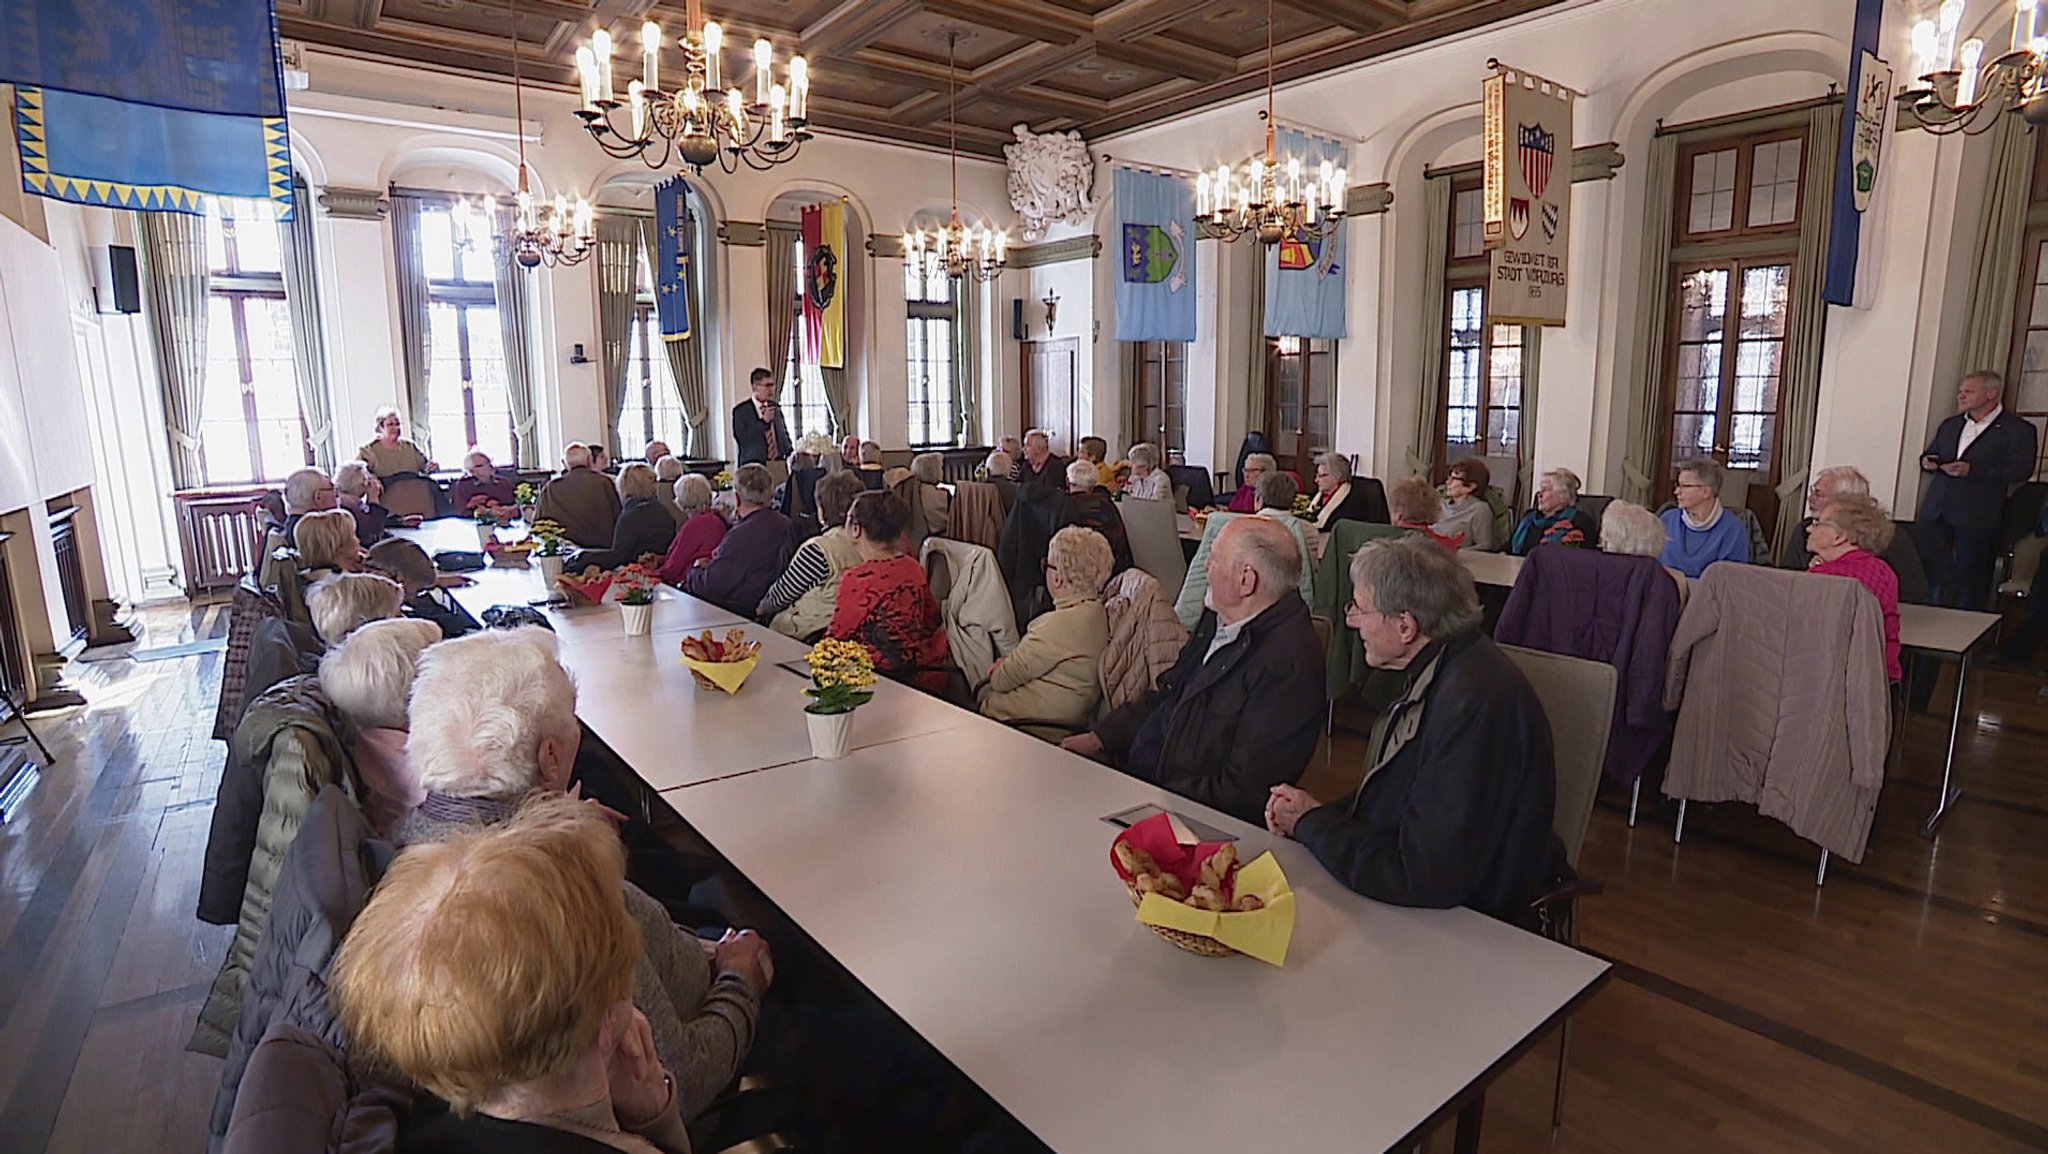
727, 675
1263, 934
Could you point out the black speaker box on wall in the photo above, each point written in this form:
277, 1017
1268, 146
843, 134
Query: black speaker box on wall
118, 287
1017, 330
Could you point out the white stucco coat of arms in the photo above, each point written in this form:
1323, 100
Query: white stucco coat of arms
1052, 179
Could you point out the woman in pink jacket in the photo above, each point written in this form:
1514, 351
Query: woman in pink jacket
1848, 539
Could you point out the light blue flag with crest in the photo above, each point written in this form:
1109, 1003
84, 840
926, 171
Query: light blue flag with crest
1305, 276
1155, 239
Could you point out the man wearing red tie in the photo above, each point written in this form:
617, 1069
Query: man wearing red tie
760, 436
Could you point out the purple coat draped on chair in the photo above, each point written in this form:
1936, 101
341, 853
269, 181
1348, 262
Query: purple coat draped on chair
1610, 608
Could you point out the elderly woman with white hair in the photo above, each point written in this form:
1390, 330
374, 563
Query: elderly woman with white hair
1256, 465
493, 719
389, 452
931, 507
368, 678
1557, 518
703, 528
1148, 478
358, 490
1090, 506
667, 472
1341, 497
480, 478
341, 604
644, 527
1628, 528
1051, 683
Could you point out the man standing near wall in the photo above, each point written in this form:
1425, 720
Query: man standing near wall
760, 435
1975, 459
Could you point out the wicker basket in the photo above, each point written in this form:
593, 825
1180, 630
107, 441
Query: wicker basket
1192, 943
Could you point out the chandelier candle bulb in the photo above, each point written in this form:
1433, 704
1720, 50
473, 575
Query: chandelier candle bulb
714, 41
778, 101
586, 75
1950, 18
650, 56
1926, 41
735, 108
1966, 84
799, 89
636, 95
601, 50
2025, 14
764, 70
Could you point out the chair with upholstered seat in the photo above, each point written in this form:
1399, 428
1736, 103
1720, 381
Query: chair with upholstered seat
1578, 699
1154, 533
411, 495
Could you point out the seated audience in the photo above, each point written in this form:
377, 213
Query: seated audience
801, 602
1628, 528
340, 604
1700, 530
1090, 506
601, 458
1902, 554
1848, 539
656, 450
1009, 445
1466, 514
306, 490
495, 970
797, 496
581, 499
1243, 708
886, 601
425, 599
1052, 681
999, 467
1415, 505
327, 543
1095, 451
751, 555
1338, 497
493, 720
703, 528
368, 677
849, 450
871, 467
480, 479
644, 527
389, 453
358, 490
1256, 465
1148, 479
1460, 784
1557, 518
667, 472
1039, 465
1277, 492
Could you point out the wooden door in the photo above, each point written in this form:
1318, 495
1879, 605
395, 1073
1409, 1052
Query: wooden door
1051, 401
1302, 380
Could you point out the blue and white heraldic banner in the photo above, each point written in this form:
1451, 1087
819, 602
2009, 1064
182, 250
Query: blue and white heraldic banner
1154, 232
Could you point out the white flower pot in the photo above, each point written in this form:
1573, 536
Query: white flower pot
550, 571
529, 513
831, 734
637, 618
485, 534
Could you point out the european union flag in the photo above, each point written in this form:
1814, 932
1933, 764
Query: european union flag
672, 263
1155, 232
1305, 276
147, 104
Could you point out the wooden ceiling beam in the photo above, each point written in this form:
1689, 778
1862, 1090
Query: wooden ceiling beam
1136, 18
855, 23
1367, 16
1017, 17
1170, 57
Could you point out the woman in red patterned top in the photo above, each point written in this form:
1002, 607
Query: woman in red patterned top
885, 602
1848, 539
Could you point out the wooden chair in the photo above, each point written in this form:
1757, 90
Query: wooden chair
411, 495
1578, 698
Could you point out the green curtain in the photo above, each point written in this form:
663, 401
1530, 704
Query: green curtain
685, 356
971, 302
782, 310
2001, 241
1525, 431
1258, 365
514, 288
309, 330
618, 255
1646, 426
175, 274
1436, 220
413, 331
1806, 320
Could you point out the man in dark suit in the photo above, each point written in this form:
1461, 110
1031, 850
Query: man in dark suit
1975, 459
760, 435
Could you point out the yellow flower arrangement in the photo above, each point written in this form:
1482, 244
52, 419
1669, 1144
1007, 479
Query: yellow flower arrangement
722, 481
1304, 505
553, 538
842, 677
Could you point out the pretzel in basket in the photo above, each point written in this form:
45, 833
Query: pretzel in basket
735, 647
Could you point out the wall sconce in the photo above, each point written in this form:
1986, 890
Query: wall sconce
1052, 310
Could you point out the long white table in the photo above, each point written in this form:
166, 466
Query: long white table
1929, 629
960, 870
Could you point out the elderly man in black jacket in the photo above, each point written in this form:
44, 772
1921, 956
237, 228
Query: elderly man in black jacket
1459, 787
1242, 709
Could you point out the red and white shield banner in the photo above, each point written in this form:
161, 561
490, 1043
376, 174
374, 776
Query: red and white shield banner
1538, 150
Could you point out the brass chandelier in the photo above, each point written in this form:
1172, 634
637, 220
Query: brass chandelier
553, 235
962, 250
1957, 90
1266, 200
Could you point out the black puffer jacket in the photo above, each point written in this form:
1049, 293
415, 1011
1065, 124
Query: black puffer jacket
1225, 731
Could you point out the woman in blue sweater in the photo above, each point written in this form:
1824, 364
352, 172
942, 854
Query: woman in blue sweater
1701, 530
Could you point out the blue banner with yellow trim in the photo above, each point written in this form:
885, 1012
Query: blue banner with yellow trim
152, 105
672, 262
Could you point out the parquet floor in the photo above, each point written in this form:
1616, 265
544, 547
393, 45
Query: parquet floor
1902, 1007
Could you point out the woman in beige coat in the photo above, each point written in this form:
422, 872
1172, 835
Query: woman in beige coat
1050, 684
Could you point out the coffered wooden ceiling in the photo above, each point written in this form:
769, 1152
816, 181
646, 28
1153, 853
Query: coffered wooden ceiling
879, 66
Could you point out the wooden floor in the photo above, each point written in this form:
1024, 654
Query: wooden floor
1902, 1007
